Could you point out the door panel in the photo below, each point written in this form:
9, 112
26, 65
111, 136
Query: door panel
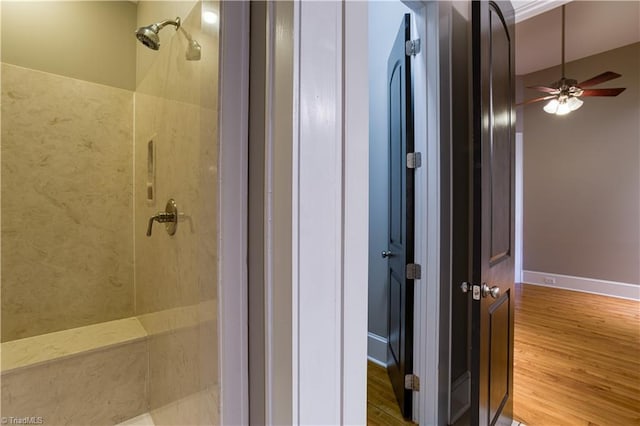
401, 222
397, 139
501, 140
395, 318
493, 213
499, 330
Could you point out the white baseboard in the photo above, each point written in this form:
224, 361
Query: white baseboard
377, 349
585, 285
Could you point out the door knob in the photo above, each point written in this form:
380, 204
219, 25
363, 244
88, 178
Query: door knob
386, 253
494, 291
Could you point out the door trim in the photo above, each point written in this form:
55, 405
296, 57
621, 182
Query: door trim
356, 206
315, 236
330, 249
232, 221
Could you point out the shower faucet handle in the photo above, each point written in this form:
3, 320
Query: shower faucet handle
169, 217
160, 217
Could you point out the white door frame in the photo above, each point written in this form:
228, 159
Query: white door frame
426, 355
519, 206
330, 211
232, 222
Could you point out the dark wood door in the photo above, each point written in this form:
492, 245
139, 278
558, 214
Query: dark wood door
493, 213
401, 218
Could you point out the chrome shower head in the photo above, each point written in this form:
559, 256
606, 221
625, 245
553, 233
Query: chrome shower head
149, 35
194, 51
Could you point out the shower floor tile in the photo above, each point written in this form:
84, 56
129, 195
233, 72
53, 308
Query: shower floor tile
142, 420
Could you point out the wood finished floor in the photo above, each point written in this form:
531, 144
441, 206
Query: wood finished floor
382, 408
576, 362
577, 358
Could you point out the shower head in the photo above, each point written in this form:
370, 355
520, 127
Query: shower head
194, 51
149, 35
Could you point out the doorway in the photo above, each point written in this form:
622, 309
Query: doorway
443, 59
325, 291
391, 207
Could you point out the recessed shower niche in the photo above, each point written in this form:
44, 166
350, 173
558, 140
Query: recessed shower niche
151, 170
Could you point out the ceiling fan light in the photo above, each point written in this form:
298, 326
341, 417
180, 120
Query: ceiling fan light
552, 106
563, 108
574, 103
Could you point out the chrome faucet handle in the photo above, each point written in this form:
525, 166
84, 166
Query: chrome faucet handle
150, 226
168, 217
160, 217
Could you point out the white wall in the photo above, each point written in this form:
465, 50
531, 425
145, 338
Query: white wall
384, 20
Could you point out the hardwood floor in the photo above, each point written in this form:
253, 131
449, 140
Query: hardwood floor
576, 362
382, 408
577, 358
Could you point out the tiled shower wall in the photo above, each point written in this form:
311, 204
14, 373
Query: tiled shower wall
68, 81
67, 251
75, 207
176, 276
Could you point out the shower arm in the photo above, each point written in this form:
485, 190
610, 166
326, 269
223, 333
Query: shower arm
175, 22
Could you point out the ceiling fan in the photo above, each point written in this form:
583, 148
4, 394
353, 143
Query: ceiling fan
564, 94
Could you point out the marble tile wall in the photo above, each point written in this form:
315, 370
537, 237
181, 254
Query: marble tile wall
38, 350
176, 276
67, 173
100, 388
96, 374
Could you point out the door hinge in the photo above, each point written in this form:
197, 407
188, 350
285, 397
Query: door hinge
412, 382
413, 271
414, 160
412, 47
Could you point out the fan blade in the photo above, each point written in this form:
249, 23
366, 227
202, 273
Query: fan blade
530, 101
603, 92
543, 89
605, 76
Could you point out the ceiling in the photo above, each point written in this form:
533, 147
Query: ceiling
591, 27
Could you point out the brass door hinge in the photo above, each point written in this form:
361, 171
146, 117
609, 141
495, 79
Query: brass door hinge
413, 271
412, 382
